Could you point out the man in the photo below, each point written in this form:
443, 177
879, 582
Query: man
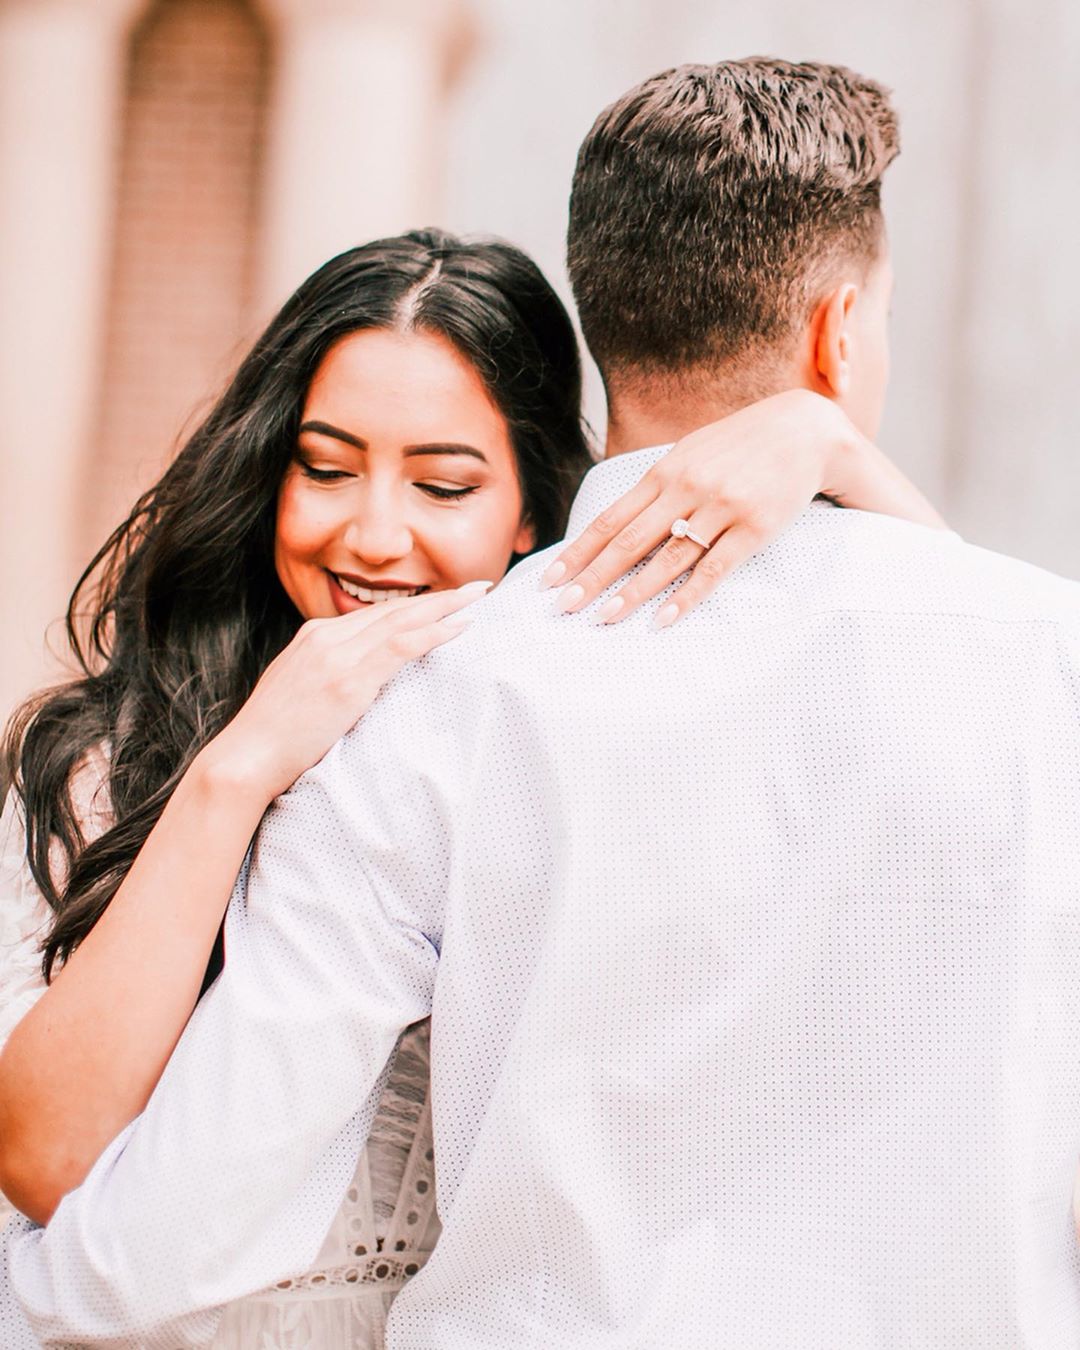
753, 945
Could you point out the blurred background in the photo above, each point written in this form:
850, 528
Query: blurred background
171, 169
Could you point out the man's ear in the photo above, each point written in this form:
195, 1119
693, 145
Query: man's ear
834, 338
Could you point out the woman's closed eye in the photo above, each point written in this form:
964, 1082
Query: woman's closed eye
442, 493
318, 475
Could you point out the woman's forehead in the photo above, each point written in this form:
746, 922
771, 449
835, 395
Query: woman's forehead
409, 388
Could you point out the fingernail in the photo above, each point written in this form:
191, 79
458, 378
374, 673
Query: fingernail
570, 597
666, 617
481, 587
554, 574
610, 608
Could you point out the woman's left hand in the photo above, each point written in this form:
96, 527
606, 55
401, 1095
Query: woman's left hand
737, 483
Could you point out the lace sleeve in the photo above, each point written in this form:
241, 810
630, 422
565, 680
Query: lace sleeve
24, 920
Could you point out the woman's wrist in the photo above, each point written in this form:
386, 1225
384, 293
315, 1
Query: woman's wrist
228, 772
858, 474
844, 447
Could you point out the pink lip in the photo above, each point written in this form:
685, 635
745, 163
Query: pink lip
345, 603
383, 584
341, 600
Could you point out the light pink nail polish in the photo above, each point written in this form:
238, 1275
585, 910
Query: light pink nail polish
570, 597
554, 574
610, 608
666, 617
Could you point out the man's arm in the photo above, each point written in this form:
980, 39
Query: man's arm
230, 1179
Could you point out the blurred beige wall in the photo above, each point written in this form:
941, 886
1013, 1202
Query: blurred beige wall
170, 169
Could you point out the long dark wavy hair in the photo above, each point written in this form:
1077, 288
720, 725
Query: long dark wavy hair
181, 610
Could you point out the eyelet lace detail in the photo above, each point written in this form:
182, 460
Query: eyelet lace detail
385, 1270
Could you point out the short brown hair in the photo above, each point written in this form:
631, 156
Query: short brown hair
711, 203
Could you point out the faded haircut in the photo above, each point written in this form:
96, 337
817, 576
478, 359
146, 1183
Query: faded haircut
712, 206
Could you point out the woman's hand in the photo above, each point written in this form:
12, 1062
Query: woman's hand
737, 483
323, 683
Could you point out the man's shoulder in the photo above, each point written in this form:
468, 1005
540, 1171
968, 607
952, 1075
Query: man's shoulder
876, 561
830, 560
517, 619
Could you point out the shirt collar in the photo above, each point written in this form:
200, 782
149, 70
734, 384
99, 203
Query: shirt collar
606, 482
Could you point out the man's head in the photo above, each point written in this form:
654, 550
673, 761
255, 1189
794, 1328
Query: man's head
726, 238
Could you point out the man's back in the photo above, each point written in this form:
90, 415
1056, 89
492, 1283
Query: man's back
753, 954
757, 1021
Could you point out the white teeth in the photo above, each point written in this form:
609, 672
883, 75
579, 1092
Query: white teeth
372, 597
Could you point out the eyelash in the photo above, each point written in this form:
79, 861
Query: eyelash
334, 475
445, 494
321, 475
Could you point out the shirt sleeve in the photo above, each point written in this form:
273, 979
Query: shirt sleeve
24, 921
230, 1179
25, 914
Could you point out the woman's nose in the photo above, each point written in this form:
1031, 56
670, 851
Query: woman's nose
379, 533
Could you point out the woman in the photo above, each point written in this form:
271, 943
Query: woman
407, 425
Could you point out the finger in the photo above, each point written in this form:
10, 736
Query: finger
411, 643
732, 549
604, 528
410, 609
636, 541
430, 607
669, 563
343, 627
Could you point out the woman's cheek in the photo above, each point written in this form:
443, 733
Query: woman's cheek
300, 523
488, 538
444, 539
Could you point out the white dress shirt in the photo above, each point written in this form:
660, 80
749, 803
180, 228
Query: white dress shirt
753, 952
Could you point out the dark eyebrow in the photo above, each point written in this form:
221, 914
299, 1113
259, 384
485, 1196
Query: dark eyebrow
450, 448
325, 429
447, 449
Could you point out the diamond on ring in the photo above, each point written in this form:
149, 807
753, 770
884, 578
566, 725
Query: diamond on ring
680, 529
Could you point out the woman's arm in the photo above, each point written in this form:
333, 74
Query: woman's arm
856, 473
85, 1059
738, 482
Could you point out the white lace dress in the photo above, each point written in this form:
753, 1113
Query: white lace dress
386, 1226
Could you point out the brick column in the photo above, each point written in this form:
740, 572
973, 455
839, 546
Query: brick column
355, 126
61, 80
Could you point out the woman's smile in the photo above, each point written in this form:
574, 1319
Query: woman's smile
348, 593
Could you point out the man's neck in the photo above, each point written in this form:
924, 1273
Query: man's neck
634, 428
660, 417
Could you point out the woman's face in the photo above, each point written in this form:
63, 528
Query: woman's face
403, 480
